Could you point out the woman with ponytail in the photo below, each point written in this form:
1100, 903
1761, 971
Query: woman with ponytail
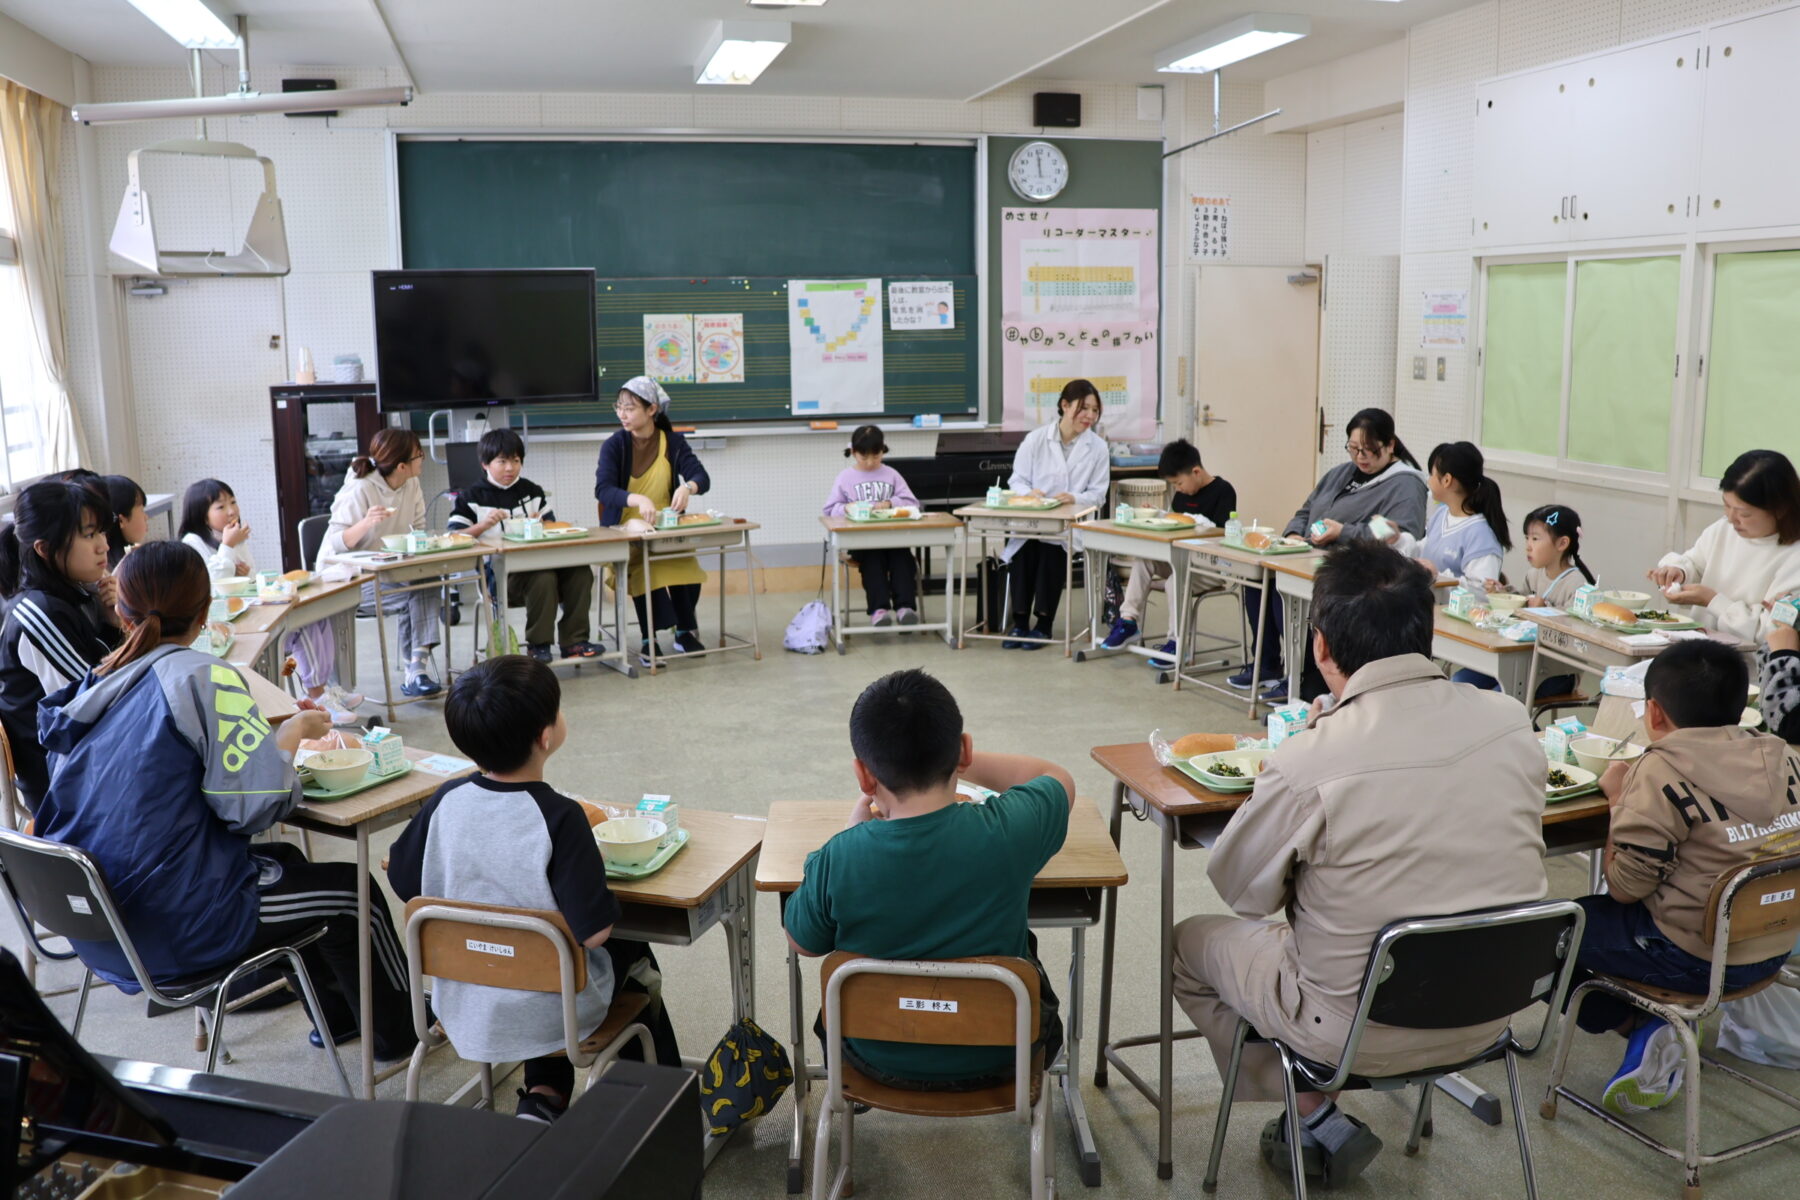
59, 619
164, 770
381, 496
1466, 536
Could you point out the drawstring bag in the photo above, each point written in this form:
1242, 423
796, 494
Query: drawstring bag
810, 630
744, 1077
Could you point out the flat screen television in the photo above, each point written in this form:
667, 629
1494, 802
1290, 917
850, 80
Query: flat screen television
462, 339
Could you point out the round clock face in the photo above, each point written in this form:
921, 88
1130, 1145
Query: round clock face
1038, 171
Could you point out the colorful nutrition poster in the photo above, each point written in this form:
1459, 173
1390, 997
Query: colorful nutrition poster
834, 345
913, 305
1444, 320
669, 347
1080, 300
718, 347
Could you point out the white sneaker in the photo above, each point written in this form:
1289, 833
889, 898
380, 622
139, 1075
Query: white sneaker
340, 704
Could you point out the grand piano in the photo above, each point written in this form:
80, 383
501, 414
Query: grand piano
77, 1126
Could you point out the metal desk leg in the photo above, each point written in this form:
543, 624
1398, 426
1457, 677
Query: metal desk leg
1073, 1105
1110, 907
387, 669
1069, 586
796, 1172
740, 921
1261, 639
839, 585
750, 590
1165, 1161
365, 987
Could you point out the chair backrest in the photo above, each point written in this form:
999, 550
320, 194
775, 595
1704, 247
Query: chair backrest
1759, 899
518, 948
59, 887
312, 536
916, 1002
1466, 969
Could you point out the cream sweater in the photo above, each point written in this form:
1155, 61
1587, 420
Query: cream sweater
1744, 572
357, 497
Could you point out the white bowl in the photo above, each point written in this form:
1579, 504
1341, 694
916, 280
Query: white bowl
334, 770
1755, 693
394, 542
241, 585
1595, 753
629, 841
1635, 601
1250, 762
1506, 601
1750, 719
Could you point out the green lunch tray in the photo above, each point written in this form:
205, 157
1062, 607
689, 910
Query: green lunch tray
1193, 773
1640, 627
1156, 526
690, 526
657, 862
322, 796
878, 518
555, 535
1589, 790
1036, 506
1274, 550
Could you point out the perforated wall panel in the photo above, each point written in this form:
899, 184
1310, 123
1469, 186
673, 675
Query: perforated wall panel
1535, 32
1356, 342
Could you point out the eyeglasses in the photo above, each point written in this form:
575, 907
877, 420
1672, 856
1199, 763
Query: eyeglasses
1355, 451
625, 406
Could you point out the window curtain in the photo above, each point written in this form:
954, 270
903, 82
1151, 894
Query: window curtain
31, 129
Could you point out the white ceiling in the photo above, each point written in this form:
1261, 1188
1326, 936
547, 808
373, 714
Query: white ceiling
949, 49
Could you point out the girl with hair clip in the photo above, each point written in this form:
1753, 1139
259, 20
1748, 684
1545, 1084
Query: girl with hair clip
131, 524
1067, 461
643, 468
1553, 573
164, 771
380, 497
890, 577
1749, 558
60, 618
1466, 536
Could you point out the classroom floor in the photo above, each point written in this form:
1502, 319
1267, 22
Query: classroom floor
732, 734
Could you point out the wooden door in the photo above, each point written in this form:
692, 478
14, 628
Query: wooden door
1256, 381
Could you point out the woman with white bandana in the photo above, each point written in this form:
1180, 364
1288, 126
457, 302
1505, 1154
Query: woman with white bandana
645, 467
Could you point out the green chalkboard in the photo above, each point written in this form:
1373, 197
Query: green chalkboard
665, 209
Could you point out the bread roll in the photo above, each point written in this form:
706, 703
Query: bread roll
550, 525
300, 576
1614, 612
1203, 743
1184, 518
1258, 540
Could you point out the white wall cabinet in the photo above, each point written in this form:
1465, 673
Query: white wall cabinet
1749, 174
1603, 147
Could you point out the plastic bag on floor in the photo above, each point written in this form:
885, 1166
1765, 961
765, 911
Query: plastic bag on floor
1764, 1028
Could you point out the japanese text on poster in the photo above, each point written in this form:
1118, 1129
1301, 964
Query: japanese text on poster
914, 305
1209, 228
1444, 320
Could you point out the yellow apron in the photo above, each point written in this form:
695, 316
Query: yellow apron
658, 486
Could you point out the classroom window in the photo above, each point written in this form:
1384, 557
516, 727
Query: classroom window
25, 383
1752, 359
1522, 358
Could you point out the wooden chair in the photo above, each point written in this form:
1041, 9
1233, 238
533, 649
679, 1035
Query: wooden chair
527, 950
1555, 704
995, 1004
1748, 903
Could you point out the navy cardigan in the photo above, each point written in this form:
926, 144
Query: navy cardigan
612, 478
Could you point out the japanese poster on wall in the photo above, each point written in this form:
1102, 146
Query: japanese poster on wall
718, 347
1444, 320
921, 305
1079, 300
1209, 229
669, 347
834, 343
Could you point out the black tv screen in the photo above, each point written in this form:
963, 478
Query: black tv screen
458, 339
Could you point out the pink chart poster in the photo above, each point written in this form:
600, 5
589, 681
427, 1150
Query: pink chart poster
1079, 300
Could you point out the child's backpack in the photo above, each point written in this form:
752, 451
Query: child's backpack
744, 1077
810, 630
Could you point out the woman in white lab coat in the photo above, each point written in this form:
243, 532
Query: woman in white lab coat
1066, 460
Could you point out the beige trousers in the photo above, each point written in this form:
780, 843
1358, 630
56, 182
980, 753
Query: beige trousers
1227, 966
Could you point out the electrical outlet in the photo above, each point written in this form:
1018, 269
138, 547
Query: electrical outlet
1440, 368
1419, 367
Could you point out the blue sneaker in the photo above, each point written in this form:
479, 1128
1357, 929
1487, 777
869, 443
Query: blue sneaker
1650, 1074
1123, 630
421, 685
1275, 691
1015, 639
1034, 639
1164, 658
1240, 679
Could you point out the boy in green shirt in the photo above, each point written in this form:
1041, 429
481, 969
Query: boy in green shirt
920, 873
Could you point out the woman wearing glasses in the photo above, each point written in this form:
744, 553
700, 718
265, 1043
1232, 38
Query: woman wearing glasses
644, 467
1382, 477
380, 497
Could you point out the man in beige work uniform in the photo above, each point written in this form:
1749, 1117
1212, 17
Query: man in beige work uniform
1413, 797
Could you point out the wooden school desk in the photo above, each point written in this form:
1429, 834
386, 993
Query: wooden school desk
599, 548
1463, 645
260, 632
1065, 894
733, 536
1104, 540
1565, 638
1212, 561
1294, 574
356, 817
842, 536
1190, 816
980, 523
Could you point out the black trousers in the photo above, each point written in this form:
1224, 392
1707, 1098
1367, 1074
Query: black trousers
1037, 570
555, 1071
674, 608
307, 892
890, 577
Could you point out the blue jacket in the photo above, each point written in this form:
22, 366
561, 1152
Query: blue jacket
612, 478
162, 771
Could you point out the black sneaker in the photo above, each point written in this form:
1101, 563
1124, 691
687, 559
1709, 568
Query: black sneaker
1332, 1167
541, 651
535, 1106
1016, 639
687, 641
644, 654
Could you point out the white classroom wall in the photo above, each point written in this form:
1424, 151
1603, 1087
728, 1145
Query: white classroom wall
180, 390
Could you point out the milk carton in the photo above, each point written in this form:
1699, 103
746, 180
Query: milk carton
1380, 528
1581, 604
858, 510
1123, 513
1462, 602
661, 808
389, 751
1558, 735
996, 497
1787, 610
1285, 721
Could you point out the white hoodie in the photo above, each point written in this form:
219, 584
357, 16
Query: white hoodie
1744, 572
357, 497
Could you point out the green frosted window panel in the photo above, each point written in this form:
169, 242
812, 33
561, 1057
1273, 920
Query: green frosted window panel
1622, 365
1753, 363
1522, 358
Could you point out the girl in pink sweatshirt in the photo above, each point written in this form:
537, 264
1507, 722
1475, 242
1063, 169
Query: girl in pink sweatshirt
890, 577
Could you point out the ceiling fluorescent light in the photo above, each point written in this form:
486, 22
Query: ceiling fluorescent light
189, 22
739, 51
239, 104
1232, 42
